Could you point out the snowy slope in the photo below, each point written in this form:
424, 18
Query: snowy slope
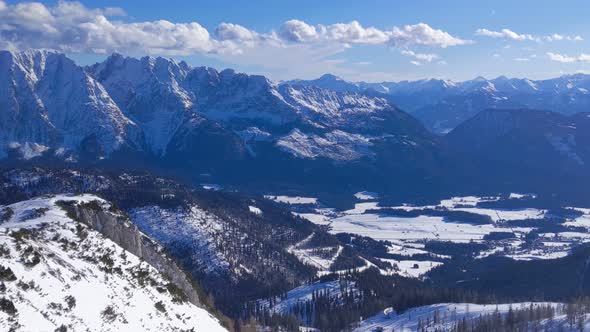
304, 293
66, 274
452, 313
193, 226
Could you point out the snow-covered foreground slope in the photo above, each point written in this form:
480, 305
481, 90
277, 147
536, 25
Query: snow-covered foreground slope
56, 272
450, 314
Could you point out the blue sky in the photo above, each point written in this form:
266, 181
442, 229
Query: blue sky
358, 40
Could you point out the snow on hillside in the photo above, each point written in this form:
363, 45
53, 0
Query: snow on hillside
58, 273
321, 258
335, 145
175, 226
449, 314
304, 293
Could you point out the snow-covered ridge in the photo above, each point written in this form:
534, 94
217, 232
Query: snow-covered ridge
64, 273
152, 105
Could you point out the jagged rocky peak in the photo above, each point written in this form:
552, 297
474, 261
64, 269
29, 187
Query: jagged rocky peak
150, 91
48, 101
328, 81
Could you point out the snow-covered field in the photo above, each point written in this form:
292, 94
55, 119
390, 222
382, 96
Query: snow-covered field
407, 234
381, 227
66, 274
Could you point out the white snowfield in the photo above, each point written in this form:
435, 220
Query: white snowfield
449, 313
381, 227
336, 145
67, 274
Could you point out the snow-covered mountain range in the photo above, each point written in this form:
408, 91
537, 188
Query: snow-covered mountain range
326, 134
156, 106
443, 104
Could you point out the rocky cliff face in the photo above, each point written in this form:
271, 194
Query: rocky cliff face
120, 230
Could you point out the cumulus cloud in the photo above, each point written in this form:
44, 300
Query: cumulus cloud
416, 63
297, 31
423, 34
568, 59
354, 33
509, 34
420, 56
72, 27
230, 31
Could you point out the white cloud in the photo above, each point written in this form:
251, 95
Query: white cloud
298, 31
568, 59
230, 31
423, 34
504, 33
420, 56
558, 37
72, 27
522, 59
354, 33
509, 34
416, 63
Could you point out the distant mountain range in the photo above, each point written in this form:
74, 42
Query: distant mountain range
443, 104
321, 136
153, 112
